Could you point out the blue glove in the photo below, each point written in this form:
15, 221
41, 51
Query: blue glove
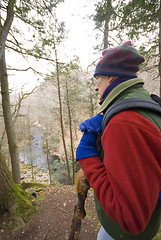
93, 124
87, 146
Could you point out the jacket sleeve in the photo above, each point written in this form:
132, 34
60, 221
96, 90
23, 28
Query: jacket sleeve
128, 181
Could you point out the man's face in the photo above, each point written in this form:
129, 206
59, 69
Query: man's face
102, 84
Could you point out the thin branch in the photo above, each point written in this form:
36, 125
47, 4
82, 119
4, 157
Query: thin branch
92, 63
156, 77
30, 54
148, 68
23, 70
31, 23
22, 96
15, 114
113, 39
56, 23
109, 35
16, 43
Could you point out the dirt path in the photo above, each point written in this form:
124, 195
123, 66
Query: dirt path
54, 218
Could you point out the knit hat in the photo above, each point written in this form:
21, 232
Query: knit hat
121, 61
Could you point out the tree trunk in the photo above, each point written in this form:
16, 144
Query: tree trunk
91, 104
12, 195
8, 121
4, 30
70, 129
6, 184
108, 8
47, 157
106, 33
61, 117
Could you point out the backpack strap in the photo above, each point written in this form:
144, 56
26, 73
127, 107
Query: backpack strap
130, 103
156, 98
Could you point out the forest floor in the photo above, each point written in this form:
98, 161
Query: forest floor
53, 219
55, 208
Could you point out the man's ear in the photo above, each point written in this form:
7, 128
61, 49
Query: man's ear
111, 79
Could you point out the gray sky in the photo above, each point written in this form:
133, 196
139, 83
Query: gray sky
80, 42
81, 35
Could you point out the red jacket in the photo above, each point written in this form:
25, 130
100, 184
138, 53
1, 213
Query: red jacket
128, 181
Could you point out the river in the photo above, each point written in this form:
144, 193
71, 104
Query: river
35, 152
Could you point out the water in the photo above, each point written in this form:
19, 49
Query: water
34, 151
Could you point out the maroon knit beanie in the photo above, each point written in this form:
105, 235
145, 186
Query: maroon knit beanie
121, 61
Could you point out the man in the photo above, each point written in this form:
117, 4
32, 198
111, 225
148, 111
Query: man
126, 175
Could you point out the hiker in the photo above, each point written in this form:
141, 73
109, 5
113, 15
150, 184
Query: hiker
126, 174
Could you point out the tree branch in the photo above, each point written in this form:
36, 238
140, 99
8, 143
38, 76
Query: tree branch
148, 68
92, 64
16, 110
30, 54
156, 77
16, 43
23, 70
22, 96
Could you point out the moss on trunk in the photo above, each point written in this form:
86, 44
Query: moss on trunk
12, 197
21, 198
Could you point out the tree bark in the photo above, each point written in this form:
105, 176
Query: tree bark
6, 184
91, 104
106, 33
70, 129
47, 157
8, 121
61, 116
11, 195
4, 30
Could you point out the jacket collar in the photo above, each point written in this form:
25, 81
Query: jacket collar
117, 90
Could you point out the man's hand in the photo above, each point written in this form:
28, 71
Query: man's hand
93, 124
87, 146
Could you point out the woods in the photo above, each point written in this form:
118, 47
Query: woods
64, 92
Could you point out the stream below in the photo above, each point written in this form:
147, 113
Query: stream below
34, 154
